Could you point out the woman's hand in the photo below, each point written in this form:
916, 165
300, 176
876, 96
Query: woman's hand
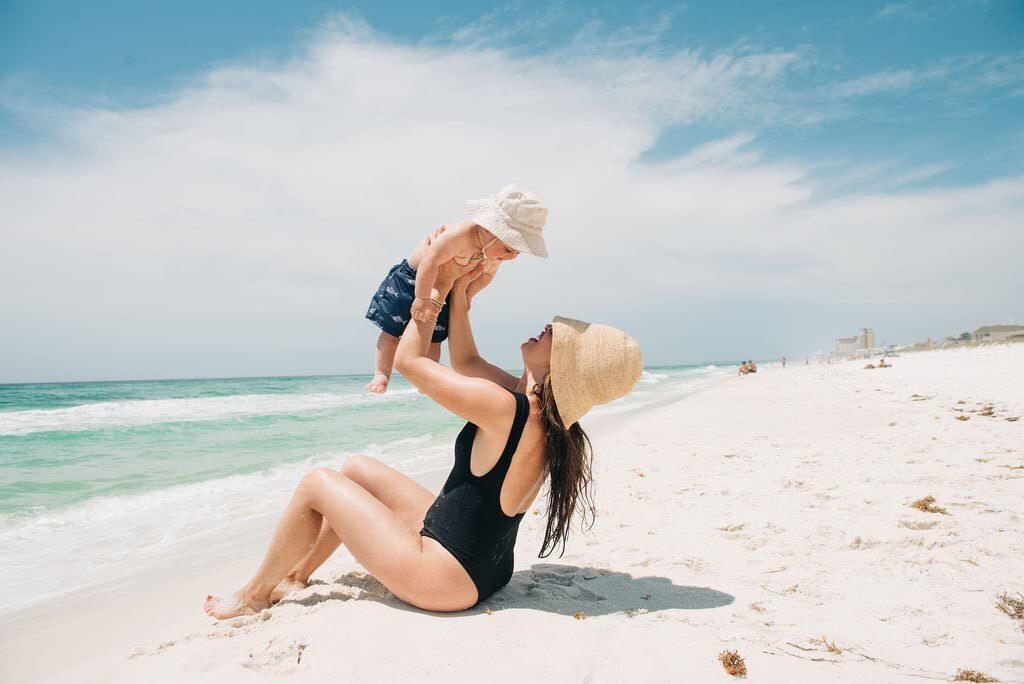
466, 285
448, 274
462, 283
436, 233
482, 280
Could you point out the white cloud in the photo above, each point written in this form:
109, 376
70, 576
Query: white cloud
892, 9
241, 226
900, 9
923, 173
882, 82
962, 74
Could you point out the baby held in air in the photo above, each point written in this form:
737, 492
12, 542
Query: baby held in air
500, 228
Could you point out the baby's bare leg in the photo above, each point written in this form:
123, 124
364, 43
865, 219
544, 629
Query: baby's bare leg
384, 361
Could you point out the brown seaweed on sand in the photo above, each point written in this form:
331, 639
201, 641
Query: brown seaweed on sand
965, 675
1014, 607
733, 663
829, 646
927, 505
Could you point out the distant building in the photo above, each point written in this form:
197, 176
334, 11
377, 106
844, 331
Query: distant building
846, 346
998, 333
866, 339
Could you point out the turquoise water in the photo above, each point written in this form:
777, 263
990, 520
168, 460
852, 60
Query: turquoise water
65, 444
107, 472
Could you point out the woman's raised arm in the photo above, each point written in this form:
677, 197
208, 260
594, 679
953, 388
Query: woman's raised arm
476, 399
462, 349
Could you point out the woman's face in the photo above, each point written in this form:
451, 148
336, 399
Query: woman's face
537, 351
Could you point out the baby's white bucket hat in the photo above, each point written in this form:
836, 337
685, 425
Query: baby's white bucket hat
515, 216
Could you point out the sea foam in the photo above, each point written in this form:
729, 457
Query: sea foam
110, 414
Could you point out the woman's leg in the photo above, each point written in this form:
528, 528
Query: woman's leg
406, 498
421, 573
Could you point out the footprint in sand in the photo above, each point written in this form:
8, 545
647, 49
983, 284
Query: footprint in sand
279, 655
919, 524
859, 543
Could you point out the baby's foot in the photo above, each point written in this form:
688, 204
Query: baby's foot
235, 605
285, 587
379, 384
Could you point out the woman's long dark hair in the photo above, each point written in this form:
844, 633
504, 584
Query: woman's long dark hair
569, 456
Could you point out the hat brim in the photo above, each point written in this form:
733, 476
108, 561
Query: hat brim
565, 387
591, 364
485, 213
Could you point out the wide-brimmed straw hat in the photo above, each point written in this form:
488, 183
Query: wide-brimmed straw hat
590, 364
515, 216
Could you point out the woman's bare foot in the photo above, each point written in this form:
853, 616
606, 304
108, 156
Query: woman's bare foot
233, 606
285, 587
379, 384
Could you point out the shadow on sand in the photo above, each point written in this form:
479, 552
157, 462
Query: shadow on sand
566, 589
548, 587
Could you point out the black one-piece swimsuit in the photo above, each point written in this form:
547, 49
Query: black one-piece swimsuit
467, 518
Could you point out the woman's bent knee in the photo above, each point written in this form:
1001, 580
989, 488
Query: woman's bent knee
355, 464
315, 480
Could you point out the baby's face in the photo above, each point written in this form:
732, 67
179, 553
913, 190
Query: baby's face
501, 252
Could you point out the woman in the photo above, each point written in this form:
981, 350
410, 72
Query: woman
450, 552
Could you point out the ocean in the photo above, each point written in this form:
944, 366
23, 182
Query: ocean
107, 473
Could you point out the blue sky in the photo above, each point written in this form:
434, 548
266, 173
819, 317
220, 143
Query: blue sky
882, 109
133, 53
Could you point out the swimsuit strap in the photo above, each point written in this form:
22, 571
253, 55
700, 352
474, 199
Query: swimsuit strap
500, 468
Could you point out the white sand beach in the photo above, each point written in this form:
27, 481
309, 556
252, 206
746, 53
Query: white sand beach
767, 514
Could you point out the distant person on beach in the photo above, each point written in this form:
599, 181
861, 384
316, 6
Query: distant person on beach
751, 367
743, 369
783, 361
501, 227
450, 552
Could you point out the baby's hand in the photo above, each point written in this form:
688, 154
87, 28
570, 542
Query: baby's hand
424, 310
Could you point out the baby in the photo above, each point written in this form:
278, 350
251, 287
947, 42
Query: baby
501, 226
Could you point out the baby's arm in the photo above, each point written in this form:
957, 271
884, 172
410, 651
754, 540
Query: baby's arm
443, 248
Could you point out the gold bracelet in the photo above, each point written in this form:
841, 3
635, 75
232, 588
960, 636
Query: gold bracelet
433, 301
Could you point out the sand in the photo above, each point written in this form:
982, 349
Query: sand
768, 514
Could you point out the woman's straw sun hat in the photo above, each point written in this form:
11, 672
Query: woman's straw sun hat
515, 216
590, 364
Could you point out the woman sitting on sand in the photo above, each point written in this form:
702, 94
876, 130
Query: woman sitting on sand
450, 552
